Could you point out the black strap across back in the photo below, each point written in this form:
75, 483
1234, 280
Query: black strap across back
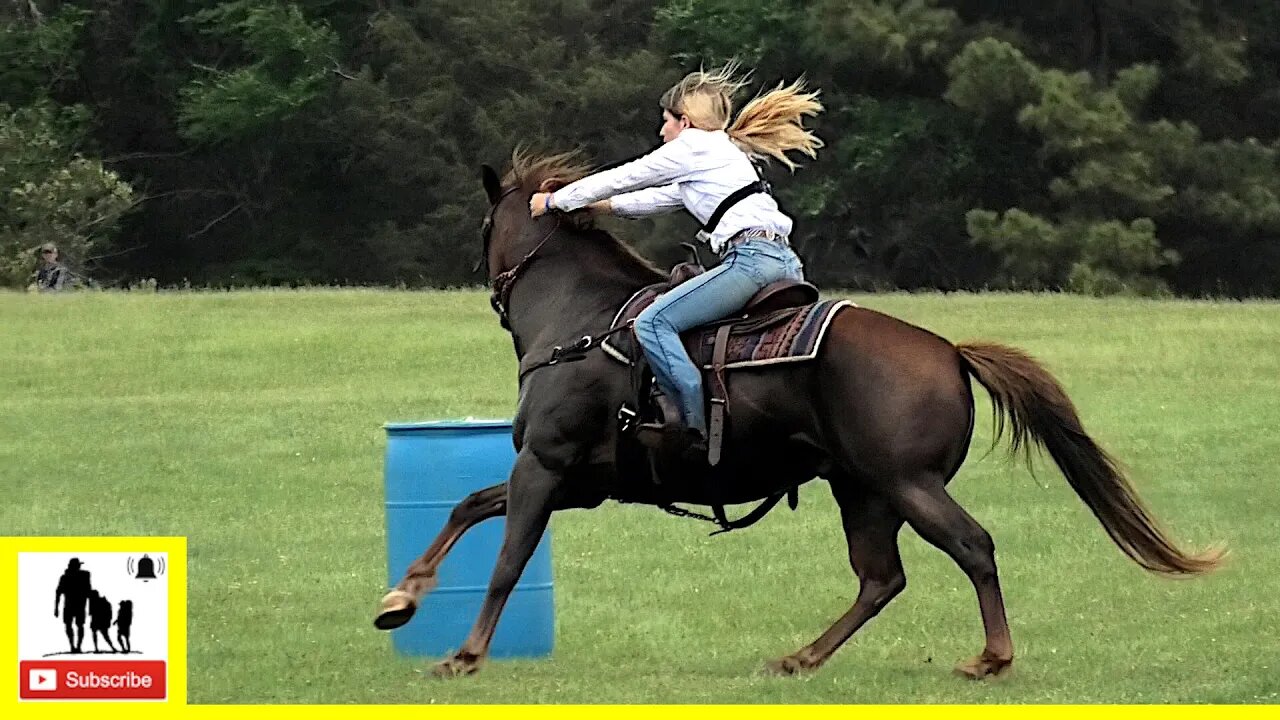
759, 186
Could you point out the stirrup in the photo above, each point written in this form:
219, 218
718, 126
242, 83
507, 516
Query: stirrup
673, 439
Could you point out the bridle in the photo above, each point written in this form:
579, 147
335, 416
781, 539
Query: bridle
502, 285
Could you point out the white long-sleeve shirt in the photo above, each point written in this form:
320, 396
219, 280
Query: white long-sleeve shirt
696, 171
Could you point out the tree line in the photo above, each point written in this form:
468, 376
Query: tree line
1096, 146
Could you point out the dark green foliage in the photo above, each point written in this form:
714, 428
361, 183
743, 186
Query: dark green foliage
1100, 146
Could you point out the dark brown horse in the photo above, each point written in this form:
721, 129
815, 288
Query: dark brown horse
884, 414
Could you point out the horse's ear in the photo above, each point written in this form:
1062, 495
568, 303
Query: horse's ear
492, 185
551, 185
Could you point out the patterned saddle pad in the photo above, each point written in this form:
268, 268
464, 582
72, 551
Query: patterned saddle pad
788, 335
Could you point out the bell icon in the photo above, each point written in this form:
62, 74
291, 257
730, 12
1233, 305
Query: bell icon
146, 569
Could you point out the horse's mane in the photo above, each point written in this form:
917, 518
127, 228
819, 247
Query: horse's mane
532, 172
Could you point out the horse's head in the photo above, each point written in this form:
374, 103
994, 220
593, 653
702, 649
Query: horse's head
507, 228
513, 240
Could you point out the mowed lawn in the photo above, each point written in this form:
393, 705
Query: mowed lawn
251, 422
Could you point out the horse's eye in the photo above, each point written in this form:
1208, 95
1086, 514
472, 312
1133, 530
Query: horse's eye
485, 226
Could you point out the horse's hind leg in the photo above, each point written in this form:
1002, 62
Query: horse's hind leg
939, 519
871, 528
399, 605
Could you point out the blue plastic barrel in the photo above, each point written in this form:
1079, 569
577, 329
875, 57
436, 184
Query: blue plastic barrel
430, 467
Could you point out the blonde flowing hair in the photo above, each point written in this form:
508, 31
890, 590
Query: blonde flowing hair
769, 126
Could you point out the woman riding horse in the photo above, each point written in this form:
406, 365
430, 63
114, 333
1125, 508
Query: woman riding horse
883, 412
705, 165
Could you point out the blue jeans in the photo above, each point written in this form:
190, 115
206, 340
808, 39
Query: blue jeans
714, 295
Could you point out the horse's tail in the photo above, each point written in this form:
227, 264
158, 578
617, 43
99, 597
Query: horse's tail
1038, 408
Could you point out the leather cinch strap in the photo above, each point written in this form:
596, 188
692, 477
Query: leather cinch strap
719, 395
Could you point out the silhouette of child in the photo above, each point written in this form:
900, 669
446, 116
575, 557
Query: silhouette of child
124, 619
100, 619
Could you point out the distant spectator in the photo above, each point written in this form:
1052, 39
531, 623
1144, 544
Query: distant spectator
51, 275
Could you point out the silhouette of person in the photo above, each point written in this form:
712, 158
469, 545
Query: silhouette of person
100, 619
74, 586
124, 620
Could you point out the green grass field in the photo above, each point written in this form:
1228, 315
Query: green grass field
251, 422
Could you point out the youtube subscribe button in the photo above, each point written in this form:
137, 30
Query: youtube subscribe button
92, 680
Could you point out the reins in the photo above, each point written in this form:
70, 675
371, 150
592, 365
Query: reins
504, 282
575, 352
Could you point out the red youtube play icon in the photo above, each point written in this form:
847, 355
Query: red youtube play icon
42, 679
92, 680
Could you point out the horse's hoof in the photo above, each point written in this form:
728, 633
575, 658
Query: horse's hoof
459, 665
786, 666
983, 666
398, 608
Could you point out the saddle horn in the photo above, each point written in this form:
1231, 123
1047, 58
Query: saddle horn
693, 253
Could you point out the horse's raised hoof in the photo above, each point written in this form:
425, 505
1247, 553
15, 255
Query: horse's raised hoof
398, 608
459, 665
983, 666
787, 666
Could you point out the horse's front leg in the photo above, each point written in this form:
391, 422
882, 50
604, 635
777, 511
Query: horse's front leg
399, 605
531, 495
